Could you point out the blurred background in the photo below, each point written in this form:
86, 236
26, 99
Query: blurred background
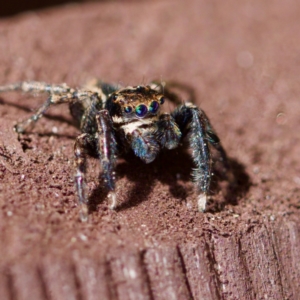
9, 8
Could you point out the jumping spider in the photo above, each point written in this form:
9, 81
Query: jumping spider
114, 120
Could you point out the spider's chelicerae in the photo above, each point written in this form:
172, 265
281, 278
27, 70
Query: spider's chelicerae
114, 120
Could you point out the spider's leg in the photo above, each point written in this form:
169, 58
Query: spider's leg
215, 142
53, 99
192, 122
23, 126
36, 87
166, 88
107, 150
168, 132
80, 163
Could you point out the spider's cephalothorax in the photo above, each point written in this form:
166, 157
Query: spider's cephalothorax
114, 120
135, 113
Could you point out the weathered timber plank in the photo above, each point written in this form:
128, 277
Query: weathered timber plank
26, 281
130, 276
5, 286
59, 278
231, 268
201, 277
258, 252
167, 278
93, 279
286, 239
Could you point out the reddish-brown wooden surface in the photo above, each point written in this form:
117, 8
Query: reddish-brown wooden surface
242, 61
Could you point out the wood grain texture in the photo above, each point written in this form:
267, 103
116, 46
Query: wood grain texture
231, 267
262, 263
166, 274
248, 266
240, 61
199, 269
129, 276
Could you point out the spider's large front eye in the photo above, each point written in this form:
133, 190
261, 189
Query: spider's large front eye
153, 107
128, 109
141, 110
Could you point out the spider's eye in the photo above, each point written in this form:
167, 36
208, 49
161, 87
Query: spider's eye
128, 109
153, 107
140, 88
162, 100
141, 110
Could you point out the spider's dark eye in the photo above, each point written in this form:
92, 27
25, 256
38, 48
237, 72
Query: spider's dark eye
140, 88
153, 107
162, 100
141, 110
128, 109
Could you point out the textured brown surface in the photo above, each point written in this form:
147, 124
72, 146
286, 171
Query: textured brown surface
242, 60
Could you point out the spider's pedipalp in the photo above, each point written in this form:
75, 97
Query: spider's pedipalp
144, 145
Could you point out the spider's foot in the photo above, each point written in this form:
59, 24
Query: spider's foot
83, 215
23, 126
113, 200
19, 128
202, 199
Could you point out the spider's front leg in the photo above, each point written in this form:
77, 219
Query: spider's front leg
80, 147
107, 151
194, 124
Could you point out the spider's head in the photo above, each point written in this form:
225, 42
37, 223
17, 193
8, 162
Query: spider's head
135, 102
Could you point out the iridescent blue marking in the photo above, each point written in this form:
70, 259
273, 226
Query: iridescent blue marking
141, 110
153, 107
128, 109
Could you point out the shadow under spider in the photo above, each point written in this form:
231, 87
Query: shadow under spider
166, 168
144, 177
237, 184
